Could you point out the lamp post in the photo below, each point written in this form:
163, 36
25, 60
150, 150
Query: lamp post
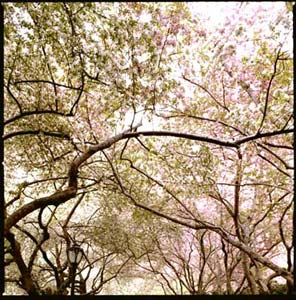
74, 254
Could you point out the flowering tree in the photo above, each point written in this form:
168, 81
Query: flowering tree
161, 144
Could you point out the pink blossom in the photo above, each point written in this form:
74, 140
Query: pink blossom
171, 42
201, 33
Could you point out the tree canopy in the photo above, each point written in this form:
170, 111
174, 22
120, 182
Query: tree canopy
158, 138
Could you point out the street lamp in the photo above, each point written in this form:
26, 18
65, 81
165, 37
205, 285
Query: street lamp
74, 254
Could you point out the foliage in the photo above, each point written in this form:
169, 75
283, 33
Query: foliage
159, 141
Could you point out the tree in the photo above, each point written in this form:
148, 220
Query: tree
136, 128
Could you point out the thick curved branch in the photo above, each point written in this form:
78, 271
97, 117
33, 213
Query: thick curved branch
182, 135
62, 196
54, 199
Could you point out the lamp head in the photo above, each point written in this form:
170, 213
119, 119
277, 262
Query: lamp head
74, 254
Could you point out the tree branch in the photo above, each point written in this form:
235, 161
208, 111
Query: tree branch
261, 135
62, 196
26, 279
47, 81
33, 132
268, 89
207, 91
36, 112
